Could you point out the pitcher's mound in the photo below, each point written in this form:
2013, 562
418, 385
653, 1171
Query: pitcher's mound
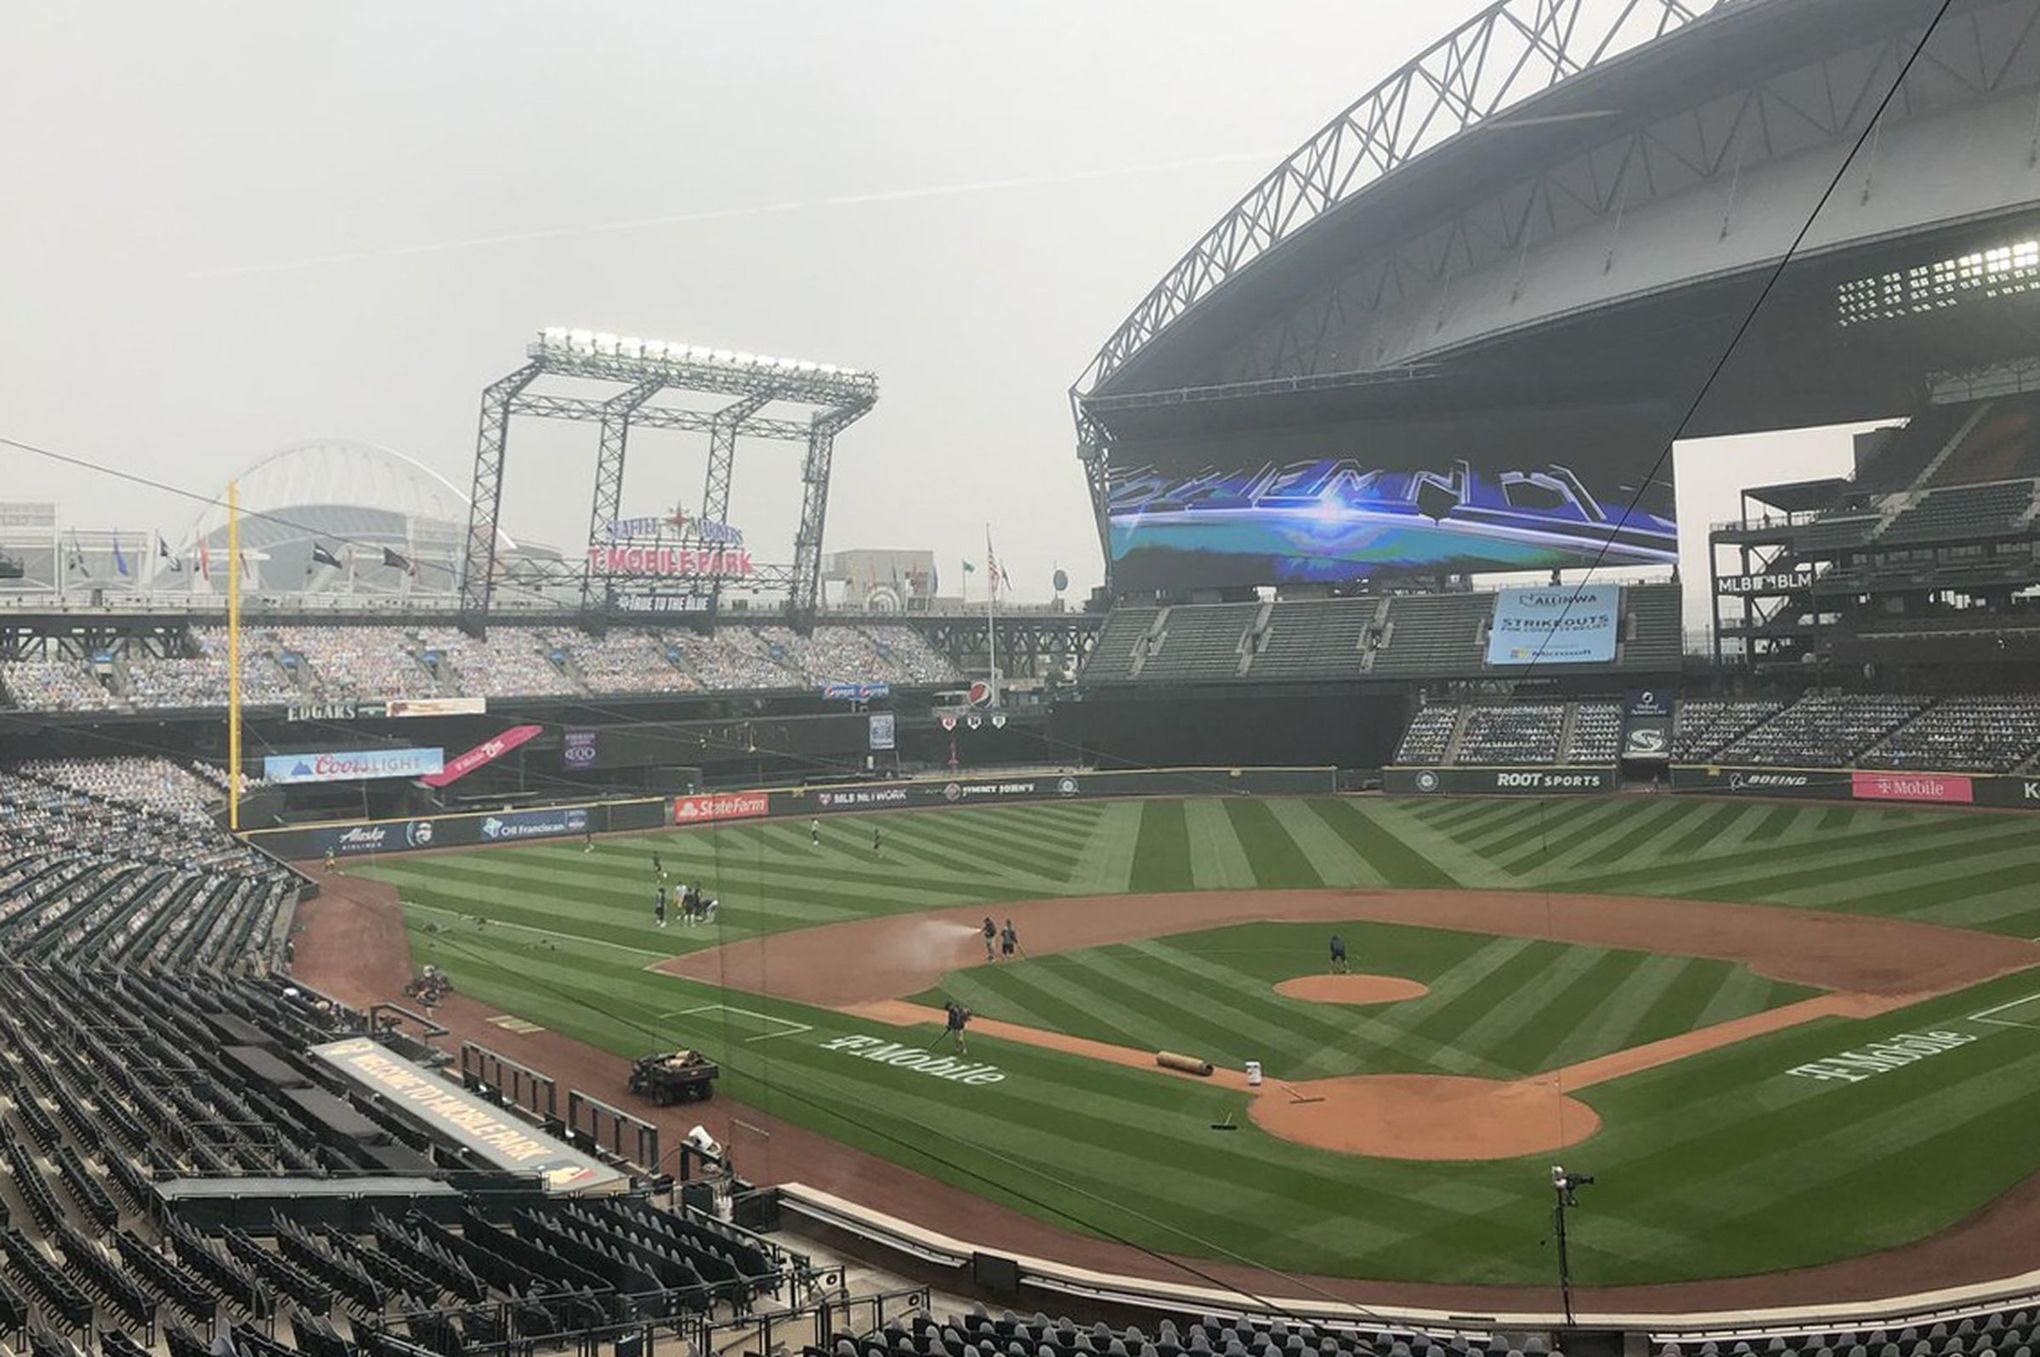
1425, 1116
1352, 989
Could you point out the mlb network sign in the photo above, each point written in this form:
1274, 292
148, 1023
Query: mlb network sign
352, 766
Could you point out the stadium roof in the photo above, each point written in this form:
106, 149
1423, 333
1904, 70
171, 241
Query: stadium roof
1614, 171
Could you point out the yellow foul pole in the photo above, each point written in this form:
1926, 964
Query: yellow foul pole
234, 656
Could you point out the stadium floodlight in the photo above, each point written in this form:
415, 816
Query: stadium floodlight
630, 346
605, 343
554, 337
806, 366
655, 350
722, 356
581, 341
743, 360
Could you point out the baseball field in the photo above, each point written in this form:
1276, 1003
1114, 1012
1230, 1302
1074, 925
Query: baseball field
1778, 1035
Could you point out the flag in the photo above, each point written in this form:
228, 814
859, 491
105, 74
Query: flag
396, 562
995, 578
119, 558
322, 556
969, 569
77, 561
204, 559
170, 563
247, 571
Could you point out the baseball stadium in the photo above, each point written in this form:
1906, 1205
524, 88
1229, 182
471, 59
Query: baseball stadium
1406, 911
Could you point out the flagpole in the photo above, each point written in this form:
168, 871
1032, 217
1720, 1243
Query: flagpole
991, 626
233, 657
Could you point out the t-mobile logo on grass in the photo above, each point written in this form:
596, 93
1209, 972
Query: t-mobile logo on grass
915, 1059
1878, 1057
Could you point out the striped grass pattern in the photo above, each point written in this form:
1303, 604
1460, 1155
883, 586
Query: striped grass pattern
1722, 1164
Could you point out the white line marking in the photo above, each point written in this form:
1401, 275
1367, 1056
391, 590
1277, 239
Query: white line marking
789, 1027
1987, 1014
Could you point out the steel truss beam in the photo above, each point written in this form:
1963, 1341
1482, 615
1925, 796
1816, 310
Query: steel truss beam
1509, 51
754, 384
658, 417
722, 462
814, 507
485, 499
609, 460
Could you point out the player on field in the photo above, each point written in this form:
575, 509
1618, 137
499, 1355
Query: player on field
876, 843
814, 832
658, 866
659, 905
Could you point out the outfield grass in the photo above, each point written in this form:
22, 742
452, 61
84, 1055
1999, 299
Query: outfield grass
1716, 1165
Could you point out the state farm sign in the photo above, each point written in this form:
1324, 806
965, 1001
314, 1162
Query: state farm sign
695, 810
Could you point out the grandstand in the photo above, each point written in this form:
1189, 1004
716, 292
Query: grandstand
284, 664
1392, 637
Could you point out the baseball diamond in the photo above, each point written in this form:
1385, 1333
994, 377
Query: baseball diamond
1651, 983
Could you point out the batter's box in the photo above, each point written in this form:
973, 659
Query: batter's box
2018, 1013
764, 1026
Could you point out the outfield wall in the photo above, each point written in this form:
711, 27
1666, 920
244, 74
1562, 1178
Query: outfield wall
2002, 790
1524, 781
468, 829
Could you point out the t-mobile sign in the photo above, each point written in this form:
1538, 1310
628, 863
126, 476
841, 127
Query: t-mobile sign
1914, 787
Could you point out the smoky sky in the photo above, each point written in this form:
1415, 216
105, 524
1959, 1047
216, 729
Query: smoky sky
230, 226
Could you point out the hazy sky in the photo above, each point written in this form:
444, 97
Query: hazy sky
233, 225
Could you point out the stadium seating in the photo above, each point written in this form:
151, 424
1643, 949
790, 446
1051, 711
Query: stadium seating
1963, 513
1515, 734
978, 1334
289, 664
1703, 728
1963, 734
1823, 730
1596, 736
2003, 1331
1429, 737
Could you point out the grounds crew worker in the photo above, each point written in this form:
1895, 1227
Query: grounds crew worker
1338, 955
991, 932
1009, 940
959, 1017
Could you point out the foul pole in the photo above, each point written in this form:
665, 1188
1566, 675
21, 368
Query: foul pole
234, 656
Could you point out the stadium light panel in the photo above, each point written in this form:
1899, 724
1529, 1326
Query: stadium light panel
605, 343
630, 346
554, 337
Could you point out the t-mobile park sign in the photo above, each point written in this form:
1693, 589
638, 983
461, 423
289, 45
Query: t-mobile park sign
672, 562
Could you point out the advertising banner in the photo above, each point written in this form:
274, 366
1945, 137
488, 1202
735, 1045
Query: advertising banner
884, 730
696, 810
1951, 788
1779, 582
534, 824
438, 706
352, 765
487, 752
1648, 702
1559, 781
1556, 626
452, 1115
335, 711
1833, 783
1057, 787
577, 749
855, 692
1647, 739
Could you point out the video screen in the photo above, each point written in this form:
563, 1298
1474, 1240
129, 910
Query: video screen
1495, 497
